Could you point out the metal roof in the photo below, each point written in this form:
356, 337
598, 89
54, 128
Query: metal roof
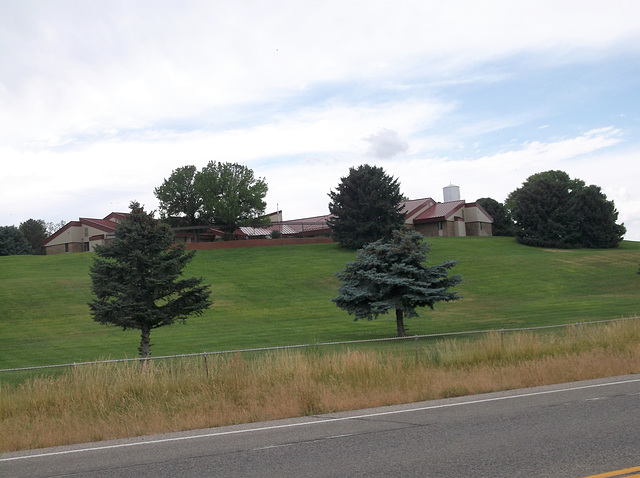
439, 211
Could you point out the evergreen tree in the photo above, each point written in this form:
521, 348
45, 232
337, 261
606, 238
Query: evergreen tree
136, 279
12, 242
389, 274
366, 206
35, 232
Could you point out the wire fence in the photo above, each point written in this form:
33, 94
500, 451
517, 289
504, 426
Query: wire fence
414, 338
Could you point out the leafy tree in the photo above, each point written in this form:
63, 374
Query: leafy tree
53, 227
178, 196
553, 210
502, 223
35, 232
231, 195
225, 194
366, 206
390, 274
12, 242
596, 217
136, 279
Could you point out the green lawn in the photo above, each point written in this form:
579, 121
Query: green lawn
280, 295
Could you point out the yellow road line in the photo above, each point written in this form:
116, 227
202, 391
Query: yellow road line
619, 473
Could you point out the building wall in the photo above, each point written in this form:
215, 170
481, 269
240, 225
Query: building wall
258, 243
474, 214
65, 248
436, 229
79, 235
479, 229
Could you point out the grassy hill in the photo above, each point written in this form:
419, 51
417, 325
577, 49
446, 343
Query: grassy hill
280, 295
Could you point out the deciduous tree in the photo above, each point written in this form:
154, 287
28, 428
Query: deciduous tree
225, 194
552, 210
366, 206
179, 198
136, 279
231, 195
390, 274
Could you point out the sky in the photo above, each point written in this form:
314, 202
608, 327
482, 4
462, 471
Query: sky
101, 101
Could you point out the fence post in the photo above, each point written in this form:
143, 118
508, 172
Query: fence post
416, 346
206, 365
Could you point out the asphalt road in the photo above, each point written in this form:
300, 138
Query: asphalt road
570, 430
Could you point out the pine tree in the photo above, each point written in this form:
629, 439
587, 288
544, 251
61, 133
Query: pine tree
136, 279
13, 242
366, 206
390, 275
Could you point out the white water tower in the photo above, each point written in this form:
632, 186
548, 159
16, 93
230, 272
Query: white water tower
451, 193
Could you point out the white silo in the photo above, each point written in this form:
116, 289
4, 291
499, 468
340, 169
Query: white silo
451, 193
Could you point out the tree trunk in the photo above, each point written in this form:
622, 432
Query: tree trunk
400, 322
145, 341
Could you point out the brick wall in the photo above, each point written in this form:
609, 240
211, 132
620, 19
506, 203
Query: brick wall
258, 242
61, 249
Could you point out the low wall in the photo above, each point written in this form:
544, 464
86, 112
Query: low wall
289, 241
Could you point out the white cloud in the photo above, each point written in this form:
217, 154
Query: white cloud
385, 144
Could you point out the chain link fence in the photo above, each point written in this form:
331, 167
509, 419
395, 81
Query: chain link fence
410, 343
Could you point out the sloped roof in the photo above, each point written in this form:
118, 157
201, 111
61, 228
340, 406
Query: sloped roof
439, 211
104, 225
307, 224
413, 205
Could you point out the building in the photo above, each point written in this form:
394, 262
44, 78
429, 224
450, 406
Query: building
83, 235
452, 218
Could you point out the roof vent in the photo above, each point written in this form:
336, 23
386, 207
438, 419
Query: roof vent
451, 193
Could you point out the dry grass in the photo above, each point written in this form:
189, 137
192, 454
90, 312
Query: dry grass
114, 400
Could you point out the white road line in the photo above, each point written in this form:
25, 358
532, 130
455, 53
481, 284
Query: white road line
314, 422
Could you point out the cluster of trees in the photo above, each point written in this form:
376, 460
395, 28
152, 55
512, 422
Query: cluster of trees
26, 238
225, 194
389, 271
551, 209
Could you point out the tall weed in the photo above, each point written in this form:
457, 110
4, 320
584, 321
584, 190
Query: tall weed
114, 400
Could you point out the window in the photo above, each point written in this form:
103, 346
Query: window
86, 232
440, 226
66, 247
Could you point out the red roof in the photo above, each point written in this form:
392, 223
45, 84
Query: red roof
104, 225
439, 212
413, 205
